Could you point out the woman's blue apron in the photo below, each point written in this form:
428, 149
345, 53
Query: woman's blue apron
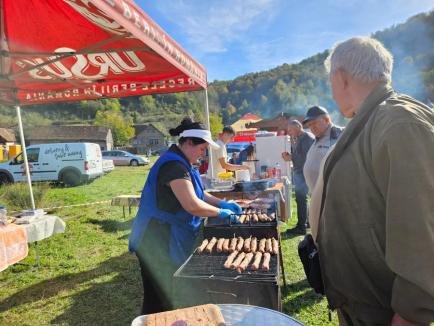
184, 227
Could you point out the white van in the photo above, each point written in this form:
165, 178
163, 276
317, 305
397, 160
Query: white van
70, 163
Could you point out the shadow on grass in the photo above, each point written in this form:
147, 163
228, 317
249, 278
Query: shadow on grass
112, 294
296, 303
295, 287
286, 236
112, 226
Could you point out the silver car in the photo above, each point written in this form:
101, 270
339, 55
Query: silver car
124, 158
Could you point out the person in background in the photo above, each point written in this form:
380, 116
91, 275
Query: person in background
247, 154
326, 134
301, 142
170, 214
376, 230
219, 157
234, 158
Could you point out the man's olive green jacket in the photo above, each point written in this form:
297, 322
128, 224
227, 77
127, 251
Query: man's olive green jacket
376, 231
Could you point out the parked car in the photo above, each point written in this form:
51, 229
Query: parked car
160, 150
107, 165
70, 163
124, 158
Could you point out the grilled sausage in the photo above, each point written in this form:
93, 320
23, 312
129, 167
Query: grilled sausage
233, 245
268, 245
226, 245
262, 245
255, 218
247, 244
253, 245
248, 218
275, 245
242, 218
230, 259
238, 260
211, 245
246, 261
257, 261
261, 217
240, 244
220, 245
272, 216
201, 248
266, 262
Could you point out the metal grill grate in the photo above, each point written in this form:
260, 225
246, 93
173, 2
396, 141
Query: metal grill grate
211, 267
221, 222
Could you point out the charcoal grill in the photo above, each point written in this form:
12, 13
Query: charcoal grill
203, 279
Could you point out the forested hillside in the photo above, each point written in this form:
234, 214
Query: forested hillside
288, 88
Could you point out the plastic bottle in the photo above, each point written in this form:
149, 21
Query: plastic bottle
278, 172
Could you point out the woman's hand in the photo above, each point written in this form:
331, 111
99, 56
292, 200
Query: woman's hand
232, 206
225, 213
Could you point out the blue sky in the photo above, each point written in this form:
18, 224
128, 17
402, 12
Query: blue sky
234, 37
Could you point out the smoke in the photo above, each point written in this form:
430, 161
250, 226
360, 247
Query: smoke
412, 46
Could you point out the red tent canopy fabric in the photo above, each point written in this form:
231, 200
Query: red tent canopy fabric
66, 50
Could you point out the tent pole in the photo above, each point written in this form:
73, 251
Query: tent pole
208, 125
26, 163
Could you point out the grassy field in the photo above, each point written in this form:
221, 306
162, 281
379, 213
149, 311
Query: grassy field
87, 276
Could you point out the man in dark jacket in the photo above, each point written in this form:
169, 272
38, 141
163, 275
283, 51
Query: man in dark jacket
301, 141
376, 229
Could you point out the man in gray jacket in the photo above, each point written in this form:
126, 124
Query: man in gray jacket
376, 227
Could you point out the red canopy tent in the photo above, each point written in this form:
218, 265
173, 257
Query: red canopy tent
66, 50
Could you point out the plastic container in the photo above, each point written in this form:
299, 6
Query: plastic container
242, 175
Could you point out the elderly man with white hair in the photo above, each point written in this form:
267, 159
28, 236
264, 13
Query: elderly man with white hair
376, 227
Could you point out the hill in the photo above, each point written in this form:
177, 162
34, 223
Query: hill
287, 88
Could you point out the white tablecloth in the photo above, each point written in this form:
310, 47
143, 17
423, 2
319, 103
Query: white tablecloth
43, 227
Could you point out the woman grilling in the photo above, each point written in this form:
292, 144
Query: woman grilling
172, 203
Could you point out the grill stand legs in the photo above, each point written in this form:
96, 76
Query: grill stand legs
281, 261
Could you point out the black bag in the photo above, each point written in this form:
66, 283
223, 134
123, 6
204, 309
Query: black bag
310, 259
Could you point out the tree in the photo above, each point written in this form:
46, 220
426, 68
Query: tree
120, 127
216, 125
147, 104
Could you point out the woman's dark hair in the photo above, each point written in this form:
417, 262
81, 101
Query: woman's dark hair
228, 130
250, 150
187, 124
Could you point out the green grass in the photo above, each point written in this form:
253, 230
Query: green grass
298, 299
87, 276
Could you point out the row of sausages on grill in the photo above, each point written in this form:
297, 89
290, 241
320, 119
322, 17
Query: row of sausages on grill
248, 245
241, 260
255, 216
